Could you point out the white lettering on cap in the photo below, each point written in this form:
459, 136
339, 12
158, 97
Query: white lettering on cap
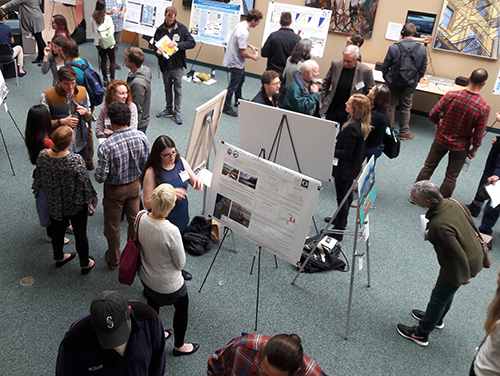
109, 322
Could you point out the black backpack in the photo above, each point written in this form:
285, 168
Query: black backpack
405, 71
92, 82
321, 260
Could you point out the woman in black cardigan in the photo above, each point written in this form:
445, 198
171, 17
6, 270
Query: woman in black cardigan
349, 154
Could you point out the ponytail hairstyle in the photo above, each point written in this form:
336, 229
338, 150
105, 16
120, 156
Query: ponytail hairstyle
62, 137
100, 12
361, 107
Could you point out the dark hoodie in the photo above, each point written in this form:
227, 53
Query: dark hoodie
140, 86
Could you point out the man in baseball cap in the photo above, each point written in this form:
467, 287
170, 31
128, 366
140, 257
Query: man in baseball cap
118, 337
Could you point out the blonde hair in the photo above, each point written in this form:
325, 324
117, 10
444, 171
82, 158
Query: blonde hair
493, 314
361, 111
163, 200
62, 137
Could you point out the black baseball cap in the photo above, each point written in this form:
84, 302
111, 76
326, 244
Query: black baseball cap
109, 313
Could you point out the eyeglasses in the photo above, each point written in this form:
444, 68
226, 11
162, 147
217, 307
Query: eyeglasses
169, 155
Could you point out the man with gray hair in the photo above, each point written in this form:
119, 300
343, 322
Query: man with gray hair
458, 252
302, 95
344, 78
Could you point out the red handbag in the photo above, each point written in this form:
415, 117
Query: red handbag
131, 257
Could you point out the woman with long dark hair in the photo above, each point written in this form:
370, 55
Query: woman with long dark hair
60, 25
300, 53
487, 360
100, 20
65, 180
165, 165
380, 96
52, 58
117, 91
349, 155
162, 260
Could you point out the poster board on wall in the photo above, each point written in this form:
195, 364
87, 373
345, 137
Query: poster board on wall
199, 145
307, 22
213, 22
266, 203
145, 16
312, 137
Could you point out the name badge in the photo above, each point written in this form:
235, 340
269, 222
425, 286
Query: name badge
184, 176
360, 85
335, 161
177, 37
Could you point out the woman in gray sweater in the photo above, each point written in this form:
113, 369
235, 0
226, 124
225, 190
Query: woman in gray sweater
162, 259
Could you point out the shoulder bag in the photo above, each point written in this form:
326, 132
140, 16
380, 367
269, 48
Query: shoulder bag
130, 259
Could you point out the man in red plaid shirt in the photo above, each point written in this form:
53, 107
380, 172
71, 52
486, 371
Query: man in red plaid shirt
253, 354
461, 117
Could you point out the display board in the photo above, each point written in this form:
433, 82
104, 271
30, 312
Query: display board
312, 137
145, 16
266, 203
213, 22
199, 145
67, 2
366, 188
307, 22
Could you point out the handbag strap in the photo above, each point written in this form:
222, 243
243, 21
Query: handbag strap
469, 218
136, 226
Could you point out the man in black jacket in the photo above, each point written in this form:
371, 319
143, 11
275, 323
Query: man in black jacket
269, 92
279, 45
172, 68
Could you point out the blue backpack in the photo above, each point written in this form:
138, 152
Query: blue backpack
92, 82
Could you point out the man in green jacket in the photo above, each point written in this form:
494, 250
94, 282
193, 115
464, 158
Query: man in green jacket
458, 252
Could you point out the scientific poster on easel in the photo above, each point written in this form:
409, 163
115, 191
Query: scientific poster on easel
212, 22
311, 23
264, 202
367, 192
145, 16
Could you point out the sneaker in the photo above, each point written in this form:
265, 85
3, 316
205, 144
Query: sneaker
419, 315
231, 112
411, 333
48, 239
177, 118
407, 136
165, 114
118, 67
474, 209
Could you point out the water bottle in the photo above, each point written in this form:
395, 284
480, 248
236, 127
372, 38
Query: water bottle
466, 165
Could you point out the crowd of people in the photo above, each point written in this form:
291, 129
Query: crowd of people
59, 140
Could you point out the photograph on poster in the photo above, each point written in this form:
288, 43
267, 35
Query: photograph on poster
307, 22
145, 16
212, 22
268, 204
349, 15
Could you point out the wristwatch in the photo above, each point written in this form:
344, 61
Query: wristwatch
59, 122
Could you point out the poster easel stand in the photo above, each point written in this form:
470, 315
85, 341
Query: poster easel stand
356, 235
226, 230
3, 138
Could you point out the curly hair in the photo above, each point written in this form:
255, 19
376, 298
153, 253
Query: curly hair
111, 92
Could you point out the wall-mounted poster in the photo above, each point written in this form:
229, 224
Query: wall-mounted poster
145, 16
307, 22
469, 27
349, 16
213, 22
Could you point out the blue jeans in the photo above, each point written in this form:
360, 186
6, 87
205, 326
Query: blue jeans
235, 84
439, 305
376, 151
490, 218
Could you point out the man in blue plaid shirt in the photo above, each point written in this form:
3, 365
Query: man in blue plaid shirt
116, 9
121, 160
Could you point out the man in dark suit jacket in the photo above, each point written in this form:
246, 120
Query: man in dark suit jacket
344, 78
279, 45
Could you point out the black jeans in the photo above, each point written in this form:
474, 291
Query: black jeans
180, 317
103, 53
340, 222
40, 43
79, 222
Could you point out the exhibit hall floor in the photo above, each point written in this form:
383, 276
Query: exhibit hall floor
403, 266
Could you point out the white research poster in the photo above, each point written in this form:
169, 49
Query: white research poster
212, 22
145, 16
307, 22
262, 201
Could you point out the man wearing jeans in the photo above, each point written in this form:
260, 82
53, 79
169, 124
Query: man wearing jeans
464, 118
235, 56
121, 160
459, 255
173, 68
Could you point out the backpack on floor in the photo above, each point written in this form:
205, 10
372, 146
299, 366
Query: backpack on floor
405, 71
322, 259
92, 82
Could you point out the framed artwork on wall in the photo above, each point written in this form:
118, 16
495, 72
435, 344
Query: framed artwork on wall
469, 27
349, 16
